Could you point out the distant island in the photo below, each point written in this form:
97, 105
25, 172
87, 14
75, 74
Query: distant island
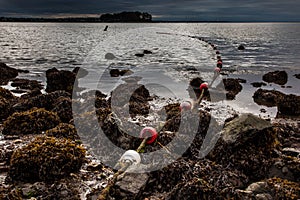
115, 17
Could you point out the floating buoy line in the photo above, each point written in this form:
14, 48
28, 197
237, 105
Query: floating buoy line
149, 134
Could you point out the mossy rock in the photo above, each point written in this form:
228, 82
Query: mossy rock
46, 159
30, 122
63, 130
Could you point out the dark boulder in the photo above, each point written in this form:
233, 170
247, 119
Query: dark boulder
267, 98
289, 105
297, 76
241, 47
232, 86
247, 143
60, 80
147, 52
278, 77
7, 73
139, 55
117, 72
258, 84
80, 72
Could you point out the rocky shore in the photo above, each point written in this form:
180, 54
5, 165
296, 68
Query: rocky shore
42, 155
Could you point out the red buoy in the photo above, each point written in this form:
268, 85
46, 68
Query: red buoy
204, 86
186, 105
149, 133
219, 64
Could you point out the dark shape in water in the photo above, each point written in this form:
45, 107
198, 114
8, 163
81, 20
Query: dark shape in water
241, 47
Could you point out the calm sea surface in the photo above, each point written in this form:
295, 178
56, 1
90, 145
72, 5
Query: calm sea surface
269, 46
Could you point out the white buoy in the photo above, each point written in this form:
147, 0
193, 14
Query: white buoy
131, 157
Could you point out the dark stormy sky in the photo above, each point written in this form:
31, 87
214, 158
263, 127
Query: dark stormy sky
187, 10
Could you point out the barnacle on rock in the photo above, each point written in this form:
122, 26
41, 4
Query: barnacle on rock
30, 122
46, 159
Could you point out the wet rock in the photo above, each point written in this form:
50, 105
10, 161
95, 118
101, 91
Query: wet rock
129, 186
288, 105
117, 72
60, 80
278, 77
46, 159
7, 73
147, 52
247, 144
110, 56
26, 84
267, 98
258, 84
241, 47
139, 55
63, 130
297, 76
30, 122
232, 86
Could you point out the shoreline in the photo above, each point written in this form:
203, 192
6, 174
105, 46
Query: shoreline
90, 179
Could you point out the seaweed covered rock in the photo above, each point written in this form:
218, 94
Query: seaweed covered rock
278, 77
30, 122
60, 80
289, 105
247, 144
63, 108
46, 159
267, 98
6, 94
186, 179
47, 101
274, 188
26, 84
7, 73
63, 130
